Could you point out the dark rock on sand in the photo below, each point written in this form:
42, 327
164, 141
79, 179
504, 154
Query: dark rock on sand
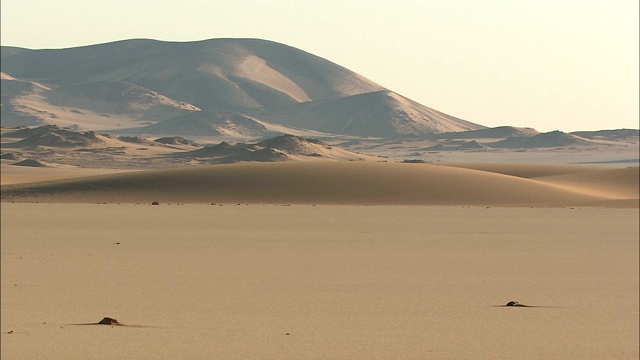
108, 321
515, 303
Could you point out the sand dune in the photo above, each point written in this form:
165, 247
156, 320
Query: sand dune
603, 181
613, 183
364, 183
23, 175
530, 171
121, 84
213, 74
380, 114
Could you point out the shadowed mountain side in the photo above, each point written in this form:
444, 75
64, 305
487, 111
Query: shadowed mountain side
464, 145
225, 153
12, 118
175, 140
117, 97
26, 132
311, 183
11, 87
379, 114
10, 156
11, 112
56, 137
11, 50
204, 123
31, 163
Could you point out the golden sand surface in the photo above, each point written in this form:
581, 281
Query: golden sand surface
353, 183
318, 282
22, 174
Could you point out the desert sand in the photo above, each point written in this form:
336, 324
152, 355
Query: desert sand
321, 260
198, 281
24, 174
350, 183
387, 235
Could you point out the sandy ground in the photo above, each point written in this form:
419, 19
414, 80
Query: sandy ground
318, 282
23, 174
354, 183
321, 260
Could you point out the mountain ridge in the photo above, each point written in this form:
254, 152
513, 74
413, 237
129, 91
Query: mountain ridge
252, 77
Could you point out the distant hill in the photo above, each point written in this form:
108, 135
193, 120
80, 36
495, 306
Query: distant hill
223, 74
121, 84
284, 147
175, 140
31, 163
457, 146
9, 156
205, 123
379, 114
544, 140
14, 114
55, 137
24, 132
490, 133
118, 97
609, 134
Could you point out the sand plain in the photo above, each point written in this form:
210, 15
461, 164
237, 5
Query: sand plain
318, 282
349, 183
321, 260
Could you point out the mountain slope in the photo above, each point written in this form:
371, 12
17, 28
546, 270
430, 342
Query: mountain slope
490, 133
118, 84
284, 147
217, 73
56, 137
380, 113
205, 123
543, 140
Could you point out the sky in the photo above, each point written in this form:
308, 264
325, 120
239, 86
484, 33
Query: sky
547, 64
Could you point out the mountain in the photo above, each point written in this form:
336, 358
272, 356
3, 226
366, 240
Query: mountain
205, 123
55, 137
31, 163
24, 132
457, 145
125, 84
223, 74
380, 114
543, 140
284, 147
117, 97
608, 134
175, 140
490, 133
16, 114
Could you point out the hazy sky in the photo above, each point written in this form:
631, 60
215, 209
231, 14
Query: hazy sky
548, 64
